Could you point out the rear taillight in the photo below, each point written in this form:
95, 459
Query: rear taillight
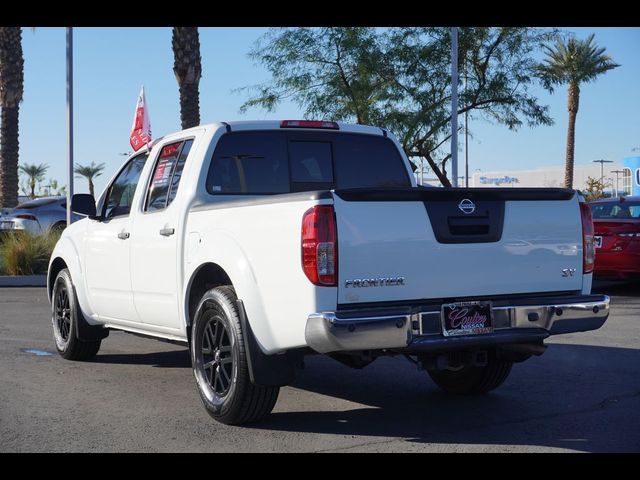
588, 245
26, 217
309, 124
320, 246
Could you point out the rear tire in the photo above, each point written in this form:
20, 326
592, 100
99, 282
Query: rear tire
218, 357
65, 315
58, 228
471, 380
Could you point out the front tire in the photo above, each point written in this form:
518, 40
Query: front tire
470, 380
218, 357
65, 315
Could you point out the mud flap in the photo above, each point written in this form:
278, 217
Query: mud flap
265, 370
86, 332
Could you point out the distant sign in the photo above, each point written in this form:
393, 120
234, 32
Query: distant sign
498, 180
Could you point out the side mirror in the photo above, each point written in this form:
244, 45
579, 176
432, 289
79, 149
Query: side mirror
83, 204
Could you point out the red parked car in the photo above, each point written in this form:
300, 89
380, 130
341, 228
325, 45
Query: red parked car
617, 237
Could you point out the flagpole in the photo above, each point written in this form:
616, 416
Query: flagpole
69, 121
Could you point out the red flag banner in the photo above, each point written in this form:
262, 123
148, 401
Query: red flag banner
141, 128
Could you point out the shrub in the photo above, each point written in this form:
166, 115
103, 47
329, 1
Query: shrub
595, 189
22, 253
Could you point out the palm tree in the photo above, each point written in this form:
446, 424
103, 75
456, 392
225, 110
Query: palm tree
188, 70
35, 173
11, 89
89, 172
573, 62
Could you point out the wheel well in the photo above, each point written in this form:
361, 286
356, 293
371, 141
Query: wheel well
208, 276
56, 267
58, 226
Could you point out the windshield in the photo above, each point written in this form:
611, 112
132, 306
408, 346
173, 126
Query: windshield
616, 210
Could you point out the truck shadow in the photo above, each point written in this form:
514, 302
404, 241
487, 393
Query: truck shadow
171, 359
575, 396
616, 287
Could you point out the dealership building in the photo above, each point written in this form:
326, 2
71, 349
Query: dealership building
626, 181
632, 174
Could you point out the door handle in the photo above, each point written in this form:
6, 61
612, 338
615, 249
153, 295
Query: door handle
165, 232
123, 235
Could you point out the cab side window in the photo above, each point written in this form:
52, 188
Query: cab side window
120, 195
166, 175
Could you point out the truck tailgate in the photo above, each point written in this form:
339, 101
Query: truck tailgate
418, 244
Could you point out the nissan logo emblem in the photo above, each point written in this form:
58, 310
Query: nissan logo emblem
467, 206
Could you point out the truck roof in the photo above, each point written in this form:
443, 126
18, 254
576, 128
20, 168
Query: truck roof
622, 199
275, 124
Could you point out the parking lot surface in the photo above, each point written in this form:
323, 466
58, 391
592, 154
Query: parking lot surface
582, 395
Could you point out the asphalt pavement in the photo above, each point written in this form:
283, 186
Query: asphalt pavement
582, 395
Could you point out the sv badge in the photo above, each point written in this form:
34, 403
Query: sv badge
568, 272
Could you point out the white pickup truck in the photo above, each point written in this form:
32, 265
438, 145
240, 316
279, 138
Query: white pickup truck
257, 243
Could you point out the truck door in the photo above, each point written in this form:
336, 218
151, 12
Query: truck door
154, 258
107, 248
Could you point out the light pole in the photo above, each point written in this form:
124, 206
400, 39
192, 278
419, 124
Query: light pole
466, 128
454, 106
69, 121
602, 162
617, 172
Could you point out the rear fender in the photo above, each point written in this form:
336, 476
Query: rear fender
227, 254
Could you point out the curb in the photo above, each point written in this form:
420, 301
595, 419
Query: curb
23, 281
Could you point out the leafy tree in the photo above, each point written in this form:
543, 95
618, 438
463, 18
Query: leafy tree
47, 189
187, 68
11, 89
595, 189
53, 186
35, 173
24, 187
60, 190
573, 62
89, 172
57, 189
400, 79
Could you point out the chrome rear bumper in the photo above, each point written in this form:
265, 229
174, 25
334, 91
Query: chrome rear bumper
418, 329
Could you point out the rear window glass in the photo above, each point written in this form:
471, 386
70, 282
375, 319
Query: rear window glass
271, 162
615, 210
40, 202
368, 161
251, 162
311, 166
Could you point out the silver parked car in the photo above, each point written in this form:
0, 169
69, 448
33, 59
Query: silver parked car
37, 216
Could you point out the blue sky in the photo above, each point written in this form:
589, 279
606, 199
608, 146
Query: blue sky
110, 65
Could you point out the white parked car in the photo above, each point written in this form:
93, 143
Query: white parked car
257, 243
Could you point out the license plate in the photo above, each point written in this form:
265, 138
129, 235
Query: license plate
466, 318
6, 225
598, 241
